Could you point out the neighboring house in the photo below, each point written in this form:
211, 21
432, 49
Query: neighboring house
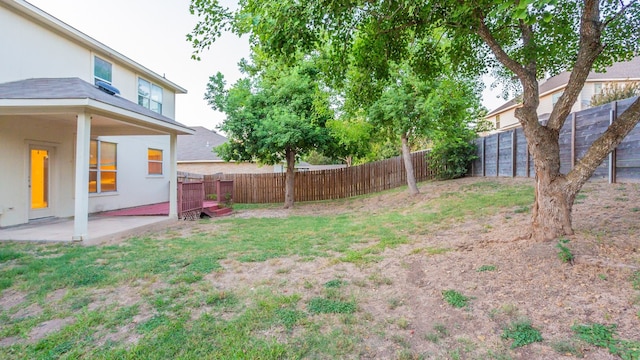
70, 145
503, 118
196, 155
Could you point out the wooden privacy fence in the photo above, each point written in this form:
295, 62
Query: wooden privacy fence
507, 154
324, 184
190, 199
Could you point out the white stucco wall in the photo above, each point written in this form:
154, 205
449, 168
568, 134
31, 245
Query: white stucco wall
30, 50
135, 186
16, 133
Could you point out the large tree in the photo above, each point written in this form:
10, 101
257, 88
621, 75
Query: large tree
520, 39
277, 115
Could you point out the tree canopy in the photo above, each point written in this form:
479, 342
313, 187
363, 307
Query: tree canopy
277, 115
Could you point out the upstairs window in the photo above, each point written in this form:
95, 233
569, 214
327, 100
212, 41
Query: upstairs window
155, 161
498, 121
103, 167
101, 70
150, 95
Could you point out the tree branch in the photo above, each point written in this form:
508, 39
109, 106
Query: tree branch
617, 15
590, 47
600, 148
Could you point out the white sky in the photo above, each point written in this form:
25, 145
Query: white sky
153, 33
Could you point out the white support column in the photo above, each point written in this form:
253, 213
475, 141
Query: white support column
81, 209
173, 176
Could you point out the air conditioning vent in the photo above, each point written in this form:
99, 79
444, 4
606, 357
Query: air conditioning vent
108, 88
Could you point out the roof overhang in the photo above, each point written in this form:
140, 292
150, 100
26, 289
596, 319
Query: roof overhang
91, 107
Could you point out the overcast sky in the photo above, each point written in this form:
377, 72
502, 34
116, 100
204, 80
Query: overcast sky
153, 33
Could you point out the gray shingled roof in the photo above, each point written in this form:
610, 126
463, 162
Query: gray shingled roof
197, 147
618, 71
73, 88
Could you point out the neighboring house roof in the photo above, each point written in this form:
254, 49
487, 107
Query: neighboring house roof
73, 34
73, 88
198, 147
629, 70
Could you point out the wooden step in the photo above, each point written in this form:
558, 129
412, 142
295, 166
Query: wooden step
217, 211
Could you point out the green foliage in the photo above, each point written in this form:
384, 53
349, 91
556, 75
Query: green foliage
486, 268
613, 92
452, 159
567, 347
6, 255
604, 336
320, 305
564, 253
522, 333
335, 283
455, 298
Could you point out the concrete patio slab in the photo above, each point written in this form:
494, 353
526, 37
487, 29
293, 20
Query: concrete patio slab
102, 229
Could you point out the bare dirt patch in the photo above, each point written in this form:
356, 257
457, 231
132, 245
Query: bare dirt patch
401, 295
48, 327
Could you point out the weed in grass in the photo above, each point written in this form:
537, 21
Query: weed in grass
564, 253
521, 210
5, 283
486, 268
621, 199
307, 285
400, 340
635, 209
289, 317
604, 336
283, 271
320, 305
335, 283
439, 331
436, 250
455, 298
416, 251
635, 280
403, 323
152, 324
8, 254
522, 333
221, 299
378, 280
602, 276
406, 354
567, 348
394, 303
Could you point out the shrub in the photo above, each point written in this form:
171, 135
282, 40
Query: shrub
451, 158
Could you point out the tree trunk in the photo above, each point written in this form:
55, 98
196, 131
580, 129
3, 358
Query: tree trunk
408, 165
289, 178
551, 214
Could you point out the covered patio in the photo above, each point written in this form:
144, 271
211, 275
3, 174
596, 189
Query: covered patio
101, 229
62, 116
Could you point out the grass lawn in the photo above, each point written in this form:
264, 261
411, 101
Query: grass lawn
336, 280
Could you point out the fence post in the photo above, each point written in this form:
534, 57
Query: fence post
484, 156
513, 153
498, 155
613, 114
527, 172
573, 140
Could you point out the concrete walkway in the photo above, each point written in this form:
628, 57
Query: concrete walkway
102, 229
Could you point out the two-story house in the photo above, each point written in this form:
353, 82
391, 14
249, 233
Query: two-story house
503, 117
83, 128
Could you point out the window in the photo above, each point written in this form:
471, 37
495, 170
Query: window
597, 88
155, 161
497, 121
101, 70
555, 97
103, 168
150, 96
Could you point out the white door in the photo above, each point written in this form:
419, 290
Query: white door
40, 171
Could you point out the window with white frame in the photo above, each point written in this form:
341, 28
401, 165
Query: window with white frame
150, 95
155, 161
103, 167
498, 121
102, 70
